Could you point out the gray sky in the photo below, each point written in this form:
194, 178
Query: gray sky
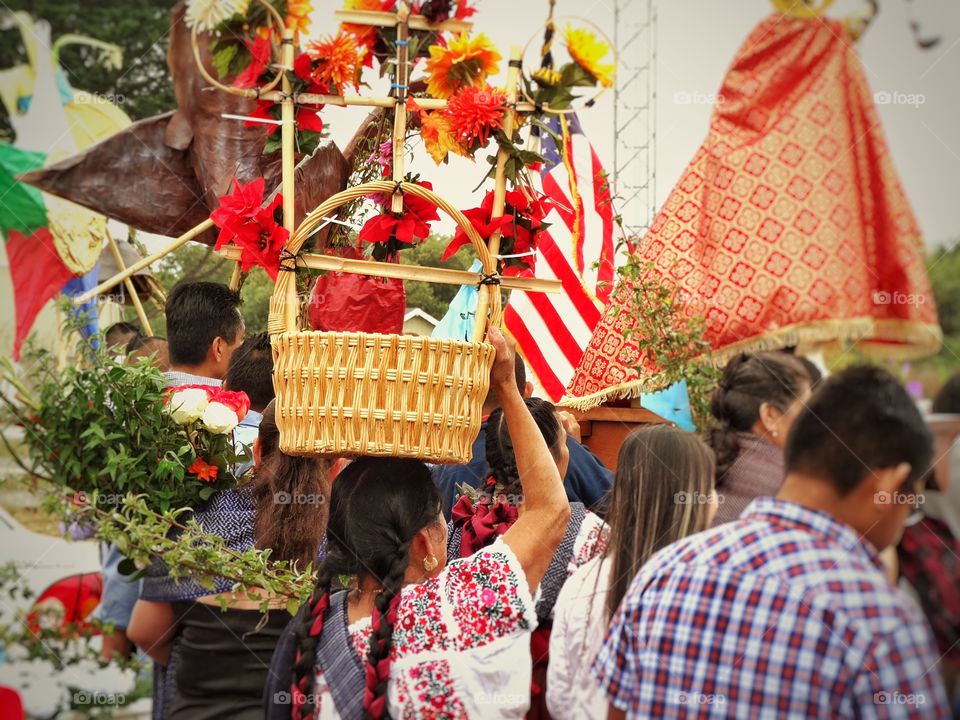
696, 41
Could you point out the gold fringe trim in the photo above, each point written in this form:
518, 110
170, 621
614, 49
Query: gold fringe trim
875, 338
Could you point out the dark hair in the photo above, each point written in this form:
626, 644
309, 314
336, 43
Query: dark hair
858, 420
197, 314
519, 374
291, 496
661, 492
500, 456
749, 381
115, 333
143, 341
378, 506
251, 370
948, 399
813, 372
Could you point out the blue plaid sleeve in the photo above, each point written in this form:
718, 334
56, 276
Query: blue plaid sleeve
615, 666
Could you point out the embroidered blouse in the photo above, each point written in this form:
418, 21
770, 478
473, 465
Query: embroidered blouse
461, 643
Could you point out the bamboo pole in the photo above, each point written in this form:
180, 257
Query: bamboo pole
236, 275
442, 276
401, 80
128, 284
287, 136
146, 262
388, 19
500, 187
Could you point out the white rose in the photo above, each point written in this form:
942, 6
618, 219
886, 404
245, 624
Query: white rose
186, 406
219, 419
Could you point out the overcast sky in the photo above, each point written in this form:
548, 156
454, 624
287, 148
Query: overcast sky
696, 40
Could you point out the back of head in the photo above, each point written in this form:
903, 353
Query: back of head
378, 506
665, 477
749, 381
198, 313
251, 371
152, 347
120, 334
519, 373
858, 420
499, 447
291, 496
948, 399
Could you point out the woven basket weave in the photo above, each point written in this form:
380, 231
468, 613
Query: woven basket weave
350, 394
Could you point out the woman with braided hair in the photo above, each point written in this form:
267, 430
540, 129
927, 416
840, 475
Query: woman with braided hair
479, 517
391, 630
758, 398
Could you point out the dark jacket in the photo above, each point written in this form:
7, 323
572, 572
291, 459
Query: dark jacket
587, 480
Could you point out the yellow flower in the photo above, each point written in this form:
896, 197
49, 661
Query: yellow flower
465, 62
547, 76
298, 15
438, 138
587, 50
205, 15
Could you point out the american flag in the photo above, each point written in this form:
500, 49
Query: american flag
552, 330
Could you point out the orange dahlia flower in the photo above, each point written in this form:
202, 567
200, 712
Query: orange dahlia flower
340, 59
475, 113
464, 62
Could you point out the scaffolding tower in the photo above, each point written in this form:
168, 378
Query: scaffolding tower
635, 114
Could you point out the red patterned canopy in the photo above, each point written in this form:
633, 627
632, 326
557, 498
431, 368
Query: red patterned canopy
790, 224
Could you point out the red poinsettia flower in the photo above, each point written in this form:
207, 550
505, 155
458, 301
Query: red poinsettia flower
204, 471
260, 51
238, 401
521, 223
406, 228
243, 220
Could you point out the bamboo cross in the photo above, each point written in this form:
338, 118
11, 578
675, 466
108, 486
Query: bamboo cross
403, 21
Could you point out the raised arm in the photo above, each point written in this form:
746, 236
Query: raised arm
537, 533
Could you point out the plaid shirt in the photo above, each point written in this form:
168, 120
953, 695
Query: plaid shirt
785, 613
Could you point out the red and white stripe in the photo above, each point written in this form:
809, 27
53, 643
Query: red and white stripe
553, 329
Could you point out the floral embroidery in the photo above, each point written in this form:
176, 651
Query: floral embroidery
485, 598
591, 542
483, 595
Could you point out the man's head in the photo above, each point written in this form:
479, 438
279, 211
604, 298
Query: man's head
204, 327
119, 335
251, 370
154, 348
860, 450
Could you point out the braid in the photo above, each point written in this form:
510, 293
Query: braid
383, 620
308, 635
500, 455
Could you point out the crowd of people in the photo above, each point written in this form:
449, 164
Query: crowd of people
757, 571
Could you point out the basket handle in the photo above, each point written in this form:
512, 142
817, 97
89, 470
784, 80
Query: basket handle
285, 305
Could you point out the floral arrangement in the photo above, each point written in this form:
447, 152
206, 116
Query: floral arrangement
456, 68
99, 430
207, 416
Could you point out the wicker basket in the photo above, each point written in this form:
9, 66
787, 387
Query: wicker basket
350, 394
